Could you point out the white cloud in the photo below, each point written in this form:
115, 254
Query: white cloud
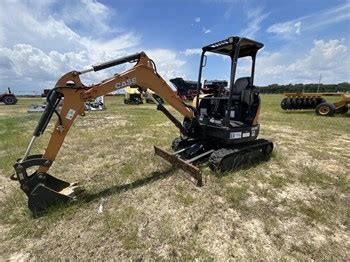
206, 30
192, 51
287, 29
314, 21
167, 62
197, 19
36, 49
297, 26
92, 16
255, 17
198, 51
330, 58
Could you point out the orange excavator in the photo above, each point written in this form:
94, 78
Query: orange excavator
220, 128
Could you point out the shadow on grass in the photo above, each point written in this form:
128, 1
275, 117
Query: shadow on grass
60, 208
155, 176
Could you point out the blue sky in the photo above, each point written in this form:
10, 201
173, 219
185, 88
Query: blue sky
40, 40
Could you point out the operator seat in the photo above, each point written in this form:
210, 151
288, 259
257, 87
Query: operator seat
248, 97
244, 104
242, 84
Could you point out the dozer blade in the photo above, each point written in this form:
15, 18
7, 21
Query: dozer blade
50, 191
175, 160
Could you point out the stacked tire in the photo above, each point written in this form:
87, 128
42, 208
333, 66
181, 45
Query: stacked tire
295, 103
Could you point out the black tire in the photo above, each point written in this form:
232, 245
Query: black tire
325, 109
313, 103
304, 102
9, 100
342, 110
284, 104
288, 104
299, 103
319, 100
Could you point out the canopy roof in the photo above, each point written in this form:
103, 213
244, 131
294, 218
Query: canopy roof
248, 47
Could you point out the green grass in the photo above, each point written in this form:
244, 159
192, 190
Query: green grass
296, 205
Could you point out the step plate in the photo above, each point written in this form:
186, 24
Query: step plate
180, 163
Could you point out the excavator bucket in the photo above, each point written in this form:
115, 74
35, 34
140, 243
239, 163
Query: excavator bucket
178, 162
51, 191
42, 189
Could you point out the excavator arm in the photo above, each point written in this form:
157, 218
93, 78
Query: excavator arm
44, 190
143, 74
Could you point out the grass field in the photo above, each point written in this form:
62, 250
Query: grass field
295, 206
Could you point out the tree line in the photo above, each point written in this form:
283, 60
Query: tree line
307, 88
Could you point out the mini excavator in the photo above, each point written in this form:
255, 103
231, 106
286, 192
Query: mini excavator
220, 128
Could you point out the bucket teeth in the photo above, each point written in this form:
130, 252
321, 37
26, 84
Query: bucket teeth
72, 191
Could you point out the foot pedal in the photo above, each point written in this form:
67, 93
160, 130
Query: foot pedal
175, 160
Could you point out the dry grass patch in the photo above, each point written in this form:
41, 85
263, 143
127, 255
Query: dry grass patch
137, 207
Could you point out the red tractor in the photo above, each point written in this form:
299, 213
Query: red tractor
8, 98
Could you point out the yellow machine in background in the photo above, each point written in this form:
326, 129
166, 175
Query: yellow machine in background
132, 96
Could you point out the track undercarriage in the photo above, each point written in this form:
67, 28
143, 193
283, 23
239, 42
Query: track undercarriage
189, 153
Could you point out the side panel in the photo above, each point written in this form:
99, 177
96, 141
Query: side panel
233, 136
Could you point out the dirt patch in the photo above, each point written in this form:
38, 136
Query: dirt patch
297, 191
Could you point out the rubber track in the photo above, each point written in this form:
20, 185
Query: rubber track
217, 156
220, 155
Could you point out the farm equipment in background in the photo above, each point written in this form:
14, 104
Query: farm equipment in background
45, 92
97, 104
297, 101
212, 86
8, 98
219, 128
35, 108
187, 89
132, 96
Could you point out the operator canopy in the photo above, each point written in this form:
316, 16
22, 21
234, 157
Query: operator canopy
248, 47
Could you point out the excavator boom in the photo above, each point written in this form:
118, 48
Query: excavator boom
44, 190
